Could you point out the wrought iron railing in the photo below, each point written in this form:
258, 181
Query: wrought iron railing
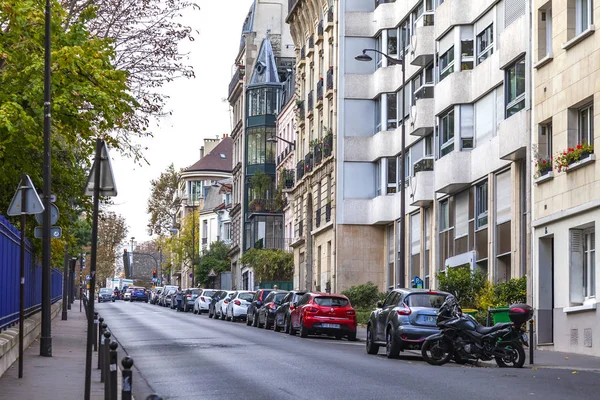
318, 152
311, 100
288, 178
303, 53
327, 145
237, 77
300, 169
330, 14
330, 78
311, 42
320, 28
308, 163
320, 90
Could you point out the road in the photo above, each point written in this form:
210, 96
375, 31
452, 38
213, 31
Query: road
186, 356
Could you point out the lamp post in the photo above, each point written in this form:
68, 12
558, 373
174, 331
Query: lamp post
275, 138
400, 266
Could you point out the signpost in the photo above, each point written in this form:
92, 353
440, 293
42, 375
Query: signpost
25, 201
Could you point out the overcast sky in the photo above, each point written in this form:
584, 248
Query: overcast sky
198, 109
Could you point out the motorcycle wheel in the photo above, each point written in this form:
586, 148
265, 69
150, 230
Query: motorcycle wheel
437, 352
516, 358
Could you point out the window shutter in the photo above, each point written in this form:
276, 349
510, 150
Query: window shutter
484, 117
466, 121
415, 233
513, 9
503, 197
427, 228
576, 266
461, 225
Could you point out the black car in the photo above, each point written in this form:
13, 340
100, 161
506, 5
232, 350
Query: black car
266, 312
189, 298
105, 295
220, 294
257, 301
283, 312
404, 320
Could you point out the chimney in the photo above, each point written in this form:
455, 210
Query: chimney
225, 135
201, 152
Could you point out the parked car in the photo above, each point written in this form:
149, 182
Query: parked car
266, 312
221, 306
283, 312
203, 300
139, 294
257, 300
168, 297
238, 306
105, 295
212, 309
323, 313
154, 293
127, 294
403, 321
189, 298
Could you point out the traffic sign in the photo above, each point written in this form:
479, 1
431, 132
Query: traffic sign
55, 232
107, 179
191, 275
33, 203
87, 277
212, 272
53, 215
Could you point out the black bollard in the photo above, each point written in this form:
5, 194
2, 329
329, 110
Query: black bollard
127, 383
531, 345
113, 370
103, 327
100, 321
95, 341
104, 370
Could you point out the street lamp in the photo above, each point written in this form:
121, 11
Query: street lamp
400, 270
275, 138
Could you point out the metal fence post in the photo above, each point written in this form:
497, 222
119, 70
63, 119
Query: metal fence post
101, 348
100, 321
127, 383
113, 370
95, 330
104, 373
531, 344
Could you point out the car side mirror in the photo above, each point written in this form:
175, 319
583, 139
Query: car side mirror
379, 304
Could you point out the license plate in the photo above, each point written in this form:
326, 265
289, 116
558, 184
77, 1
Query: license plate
335, 326
524, 338
429, 319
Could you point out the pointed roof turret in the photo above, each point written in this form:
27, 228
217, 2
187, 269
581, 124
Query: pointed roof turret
265, 68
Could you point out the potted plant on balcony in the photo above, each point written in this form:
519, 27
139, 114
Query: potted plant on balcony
542, 166
572, 155
260, 183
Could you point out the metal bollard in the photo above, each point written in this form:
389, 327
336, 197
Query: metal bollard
531, 345
100, 321
95, 340
113, 370
103, 327
127, 383
104, 370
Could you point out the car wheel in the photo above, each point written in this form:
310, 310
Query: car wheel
276, 326
392, 349
267, 324
291, 329
258, 324
254, 320
248, 322
223, 316
303, 330
195, 311
372, 348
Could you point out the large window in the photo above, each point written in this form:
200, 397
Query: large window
260, 150
503, 197
378, 115
485, 44
583, 15
444, 215
447, 63
461, 214
589, 263
196, 191
392, 43
392, 168
262, 101
446, 133
582, 264
379, 48
481, 205
585, 129
392, 111
515, 88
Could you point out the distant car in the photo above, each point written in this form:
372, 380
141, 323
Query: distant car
139, 294
221, 306
154, 293
189, 298
212, 305
202, 302
255, 304
404, 320
323, 313
127, 294
238, 306
266, 312
282, 314
105, 295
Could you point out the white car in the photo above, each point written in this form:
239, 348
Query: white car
238, 306
127, 294
221, 306
203, 300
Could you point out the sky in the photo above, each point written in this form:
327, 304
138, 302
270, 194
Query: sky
198, 106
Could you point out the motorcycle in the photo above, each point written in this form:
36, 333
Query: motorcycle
464, 339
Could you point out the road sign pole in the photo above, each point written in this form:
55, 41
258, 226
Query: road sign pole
22, 280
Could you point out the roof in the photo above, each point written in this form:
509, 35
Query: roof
248, 25
265, 68
217, 160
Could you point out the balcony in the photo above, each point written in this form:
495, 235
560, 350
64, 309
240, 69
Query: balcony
311, 101
311, 46
422, 118
320, 32
264, 206
423, 43
318, 152
308, 163
287, 177
330, 19
299, 170
329, 82
302, 60
320, 92
238, 77
327, 145
423, 194
453, 172
273, 243
513, 133
298, 234
301, 112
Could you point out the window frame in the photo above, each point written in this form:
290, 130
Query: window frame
485, 52
447, 69
391, 185
589, 263
481, 215
583, 24
517, 104
589, 108
444, 217
446, 146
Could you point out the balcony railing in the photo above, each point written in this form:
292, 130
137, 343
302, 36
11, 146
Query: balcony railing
424, 164
273, 243
318, 217
327, 212
311, 42
330, 78
299, 229
237, 77
301, 111
287, 177
330, 14
303, 53
327, 145
323, 214
318, 151
311, 100
308, 163
300, 169
320, 90
264, 206
320, 28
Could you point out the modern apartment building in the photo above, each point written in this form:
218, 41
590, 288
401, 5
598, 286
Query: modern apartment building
566, 205
265, 56
314, 29
466, 116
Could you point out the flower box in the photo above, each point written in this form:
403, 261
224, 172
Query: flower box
590, 158
573, 157
546, 177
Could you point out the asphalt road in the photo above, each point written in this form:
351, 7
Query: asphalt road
186, 356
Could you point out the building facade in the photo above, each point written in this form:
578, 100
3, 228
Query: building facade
567, 180
314, 28
266, 53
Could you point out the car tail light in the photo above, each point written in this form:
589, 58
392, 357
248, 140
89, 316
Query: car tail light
351, 312
168, 296
271, 306
189, 296
237, 302
312, 309
405, 310
432, 292
225, 301
292, 307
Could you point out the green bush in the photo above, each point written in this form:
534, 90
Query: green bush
362, 316
511, 292
363, 296
463, 284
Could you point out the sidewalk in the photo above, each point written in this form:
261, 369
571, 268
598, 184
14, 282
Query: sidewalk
61, 376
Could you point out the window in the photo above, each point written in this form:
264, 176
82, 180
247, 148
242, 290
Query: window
545, 140
378, 178
466, 47
405, 33
544, 33
447, 63
583, 15
481, 205
582, 264
428, 146
585, 129
466, 126
378, 47
392, 45
407, 167
391, 175
461, 214
447, 133
589, 263
263, 101
515, 88
485, 44
196, 190
260, 151
392, 111
503, 197
227, 231
444, 215
378, 114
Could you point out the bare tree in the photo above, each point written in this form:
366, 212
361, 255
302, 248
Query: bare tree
163, 202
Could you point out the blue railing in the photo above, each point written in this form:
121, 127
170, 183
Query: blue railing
9, 277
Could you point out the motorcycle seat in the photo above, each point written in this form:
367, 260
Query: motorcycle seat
484, 330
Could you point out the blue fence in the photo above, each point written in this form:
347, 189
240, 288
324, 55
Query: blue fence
10, 275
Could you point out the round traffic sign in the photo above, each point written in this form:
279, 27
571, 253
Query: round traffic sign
53, 215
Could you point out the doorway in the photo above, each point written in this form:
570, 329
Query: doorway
545, 318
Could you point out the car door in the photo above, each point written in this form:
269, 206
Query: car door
282, 310
295, 314
382, 316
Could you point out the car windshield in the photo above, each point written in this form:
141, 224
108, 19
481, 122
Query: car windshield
105, 290
209, 293
139, 290
279, 297
331, 301
246, 296
195, 291
425, 300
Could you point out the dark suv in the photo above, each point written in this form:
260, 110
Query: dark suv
266, 312
404, 320
257, 301
283, 312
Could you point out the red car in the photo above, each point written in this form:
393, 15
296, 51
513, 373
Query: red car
323, 313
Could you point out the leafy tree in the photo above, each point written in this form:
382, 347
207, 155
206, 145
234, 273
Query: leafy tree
214, 258
270, 264
112, 230
363, 296
163, 202
180, 247
463, 284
